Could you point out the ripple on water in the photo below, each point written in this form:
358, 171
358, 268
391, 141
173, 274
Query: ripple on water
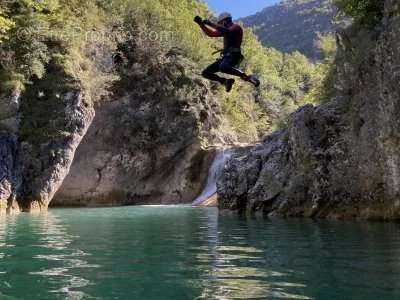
189, 253
233, 278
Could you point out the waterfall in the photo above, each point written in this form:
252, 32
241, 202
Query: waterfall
210, 189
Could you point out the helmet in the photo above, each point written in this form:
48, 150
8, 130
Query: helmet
224, 16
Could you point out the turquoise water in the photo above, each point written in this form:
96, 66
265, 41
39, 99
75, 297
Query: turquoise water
188, 253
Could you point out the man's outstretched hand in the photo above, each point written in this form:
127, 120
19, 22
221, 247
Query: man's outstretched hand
207, 22
198, 20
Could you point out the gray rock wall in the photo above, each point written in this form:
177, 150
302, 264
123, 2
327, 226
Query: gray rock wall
40, 130
340, 159
10, 178
145, 144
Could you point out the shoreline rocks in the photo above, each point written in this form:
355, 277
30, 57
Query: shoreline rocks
337, 160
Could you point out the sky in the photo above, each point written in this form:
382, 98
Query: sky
240, 8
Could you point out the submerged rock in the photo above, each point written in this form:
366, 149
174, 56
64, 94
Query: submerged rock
340, 159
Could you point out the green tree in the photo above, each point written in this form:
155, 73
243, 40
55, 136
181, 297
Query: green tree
80, 36
366, 12
5, 25
321, 76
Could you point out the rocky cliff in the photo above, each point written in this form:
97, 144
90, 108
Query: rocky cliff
10, 178
337, 160
55, 115
40, 130
155, 114
145, 144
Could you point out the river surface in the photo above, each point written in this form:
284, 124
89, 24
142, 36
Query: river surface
191, 253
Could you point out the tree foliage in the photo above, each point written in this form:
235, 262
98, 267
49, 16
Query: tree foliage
82, 35
5, 25
322, 73
366, 12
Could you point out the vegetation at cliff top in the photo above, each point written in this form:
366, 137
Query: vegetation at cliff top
366, 12
5, 25
81, 35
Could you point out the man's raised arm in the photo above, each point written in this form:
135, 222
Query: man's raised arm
211, 32
221, 29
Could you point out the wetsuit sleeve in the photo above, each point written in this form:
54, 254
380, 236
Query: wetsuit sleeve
210, 31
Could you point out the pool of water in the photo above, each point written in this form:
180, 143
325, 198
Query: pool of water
192, 253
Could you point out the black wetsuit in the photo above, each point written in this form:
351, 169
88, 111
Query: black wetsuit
231, 55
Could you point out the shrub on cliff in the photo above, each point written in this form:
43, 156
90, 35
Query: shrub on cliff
5, 25
81, 35
322, 75
366, 12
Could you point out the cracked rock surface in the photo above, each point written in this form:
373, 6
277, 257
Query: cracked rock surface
337, 160
144, 145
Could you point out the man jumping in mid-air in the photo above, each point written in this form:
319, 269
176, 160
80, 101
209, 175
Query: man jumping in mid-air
231, 54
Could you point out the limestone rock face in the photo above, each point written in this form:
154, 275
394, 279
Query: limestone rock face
9, 179
9, 107
39, 133
144, 145
56, 115
340, 159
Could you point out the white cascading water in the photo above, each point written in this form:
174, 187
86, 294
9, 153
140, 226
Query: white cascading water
216, 168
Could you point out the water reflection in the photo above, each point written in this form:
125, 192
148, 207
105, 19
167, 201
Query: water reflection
53, 237
239, 270
39, 249
179, 253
